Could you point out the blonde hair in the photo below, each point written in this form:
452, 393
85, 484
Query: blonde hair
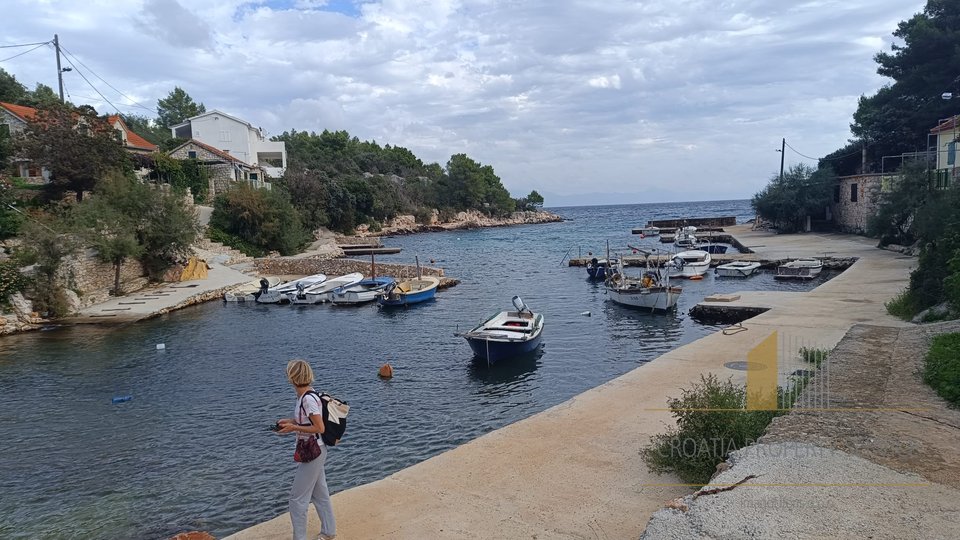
299, 372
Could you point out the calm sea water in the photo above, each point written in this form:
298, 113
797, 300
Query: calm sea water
192, 449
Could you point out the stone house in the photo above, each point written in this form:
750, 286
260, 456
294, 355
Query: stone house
222, 168
855, 199
237, 138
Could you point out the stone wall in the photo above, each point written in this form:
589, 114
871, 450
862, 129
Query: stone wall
471, 219
92, 280
286, 266
851, 216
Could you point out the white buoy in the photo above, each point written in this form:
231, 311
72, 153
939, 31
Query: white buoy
585, 314
161, 346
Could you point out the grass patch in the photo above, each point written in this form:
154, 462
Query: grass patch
942, 367
904, 306
235, 242
712, 422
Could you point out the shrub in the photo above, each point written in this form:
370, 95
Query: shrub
11, 280
235, 242
904, 305
942, 367
260, 217
712, 422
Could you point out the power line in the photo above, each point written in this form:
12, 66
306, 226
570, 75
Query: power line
23, 45
133, 101
819, 159
91, 84
25, 52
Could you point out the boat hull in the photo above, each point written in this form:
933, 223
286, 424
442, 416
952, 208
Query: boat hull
801, 269
726, 270
492, 351
398, 297
653, 298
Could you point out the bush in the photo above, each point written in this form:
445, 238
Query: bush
712, 422
11, 280
260, 217
803, 191
236, 243
942, 367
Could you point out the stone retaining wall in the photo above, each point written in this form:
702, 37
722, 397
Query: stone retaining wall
92, 280
285, 266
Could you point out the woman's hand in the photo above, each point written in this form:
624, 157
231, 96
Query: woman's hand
283, 421
287, 427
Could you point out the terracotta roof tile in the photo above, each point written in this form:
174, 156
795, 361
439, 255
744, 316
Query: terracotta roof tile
21, 111
949, 123
215, 151
133, 140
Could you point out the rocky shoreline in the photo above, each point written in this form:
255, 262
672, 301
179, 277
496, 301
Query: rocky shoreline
472, 219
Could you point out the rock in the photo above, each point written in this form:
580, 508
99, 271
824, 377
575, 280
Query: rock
677, 504
721, 467
894, 247
73, 301
21, 306
938, 312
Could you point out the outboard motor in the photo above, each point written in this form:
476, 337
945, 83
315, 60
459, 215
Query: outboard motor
300, 294
521, 307
264, 285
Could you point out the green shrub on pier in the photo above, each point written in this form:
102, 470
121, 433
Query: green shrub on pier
712, 422
942, 367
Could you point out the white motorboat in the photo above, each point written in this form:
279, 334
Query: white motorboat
647, 231
650, 291
248, 292
685, 238
506, 334
323, 292
361, 292
283, 293
737, 268
799, 269
689, 264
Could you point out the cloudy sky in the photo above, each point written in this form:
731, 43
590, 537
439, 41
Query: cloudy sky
589, 102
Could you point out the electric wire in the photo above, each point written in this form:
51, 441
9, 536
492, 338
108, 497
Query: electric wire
24, 44
95, 74
67, 58
24, 52
824, 159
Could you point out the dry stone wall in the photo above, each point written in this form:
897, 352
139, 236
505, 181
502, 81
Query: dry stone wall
92, 280
285, 266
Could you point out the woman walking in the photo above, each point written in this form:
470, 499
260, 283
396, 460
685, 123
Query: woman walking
310, 481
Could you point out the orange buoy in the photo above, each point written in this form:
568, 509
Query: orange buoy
386, 371
696, 277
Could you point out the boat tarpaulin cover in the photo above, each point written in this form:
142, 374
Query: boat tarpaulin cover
195, 269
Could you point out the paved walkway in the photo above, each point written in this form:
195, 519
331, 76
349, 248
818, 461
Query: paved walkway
153, 301
573, 471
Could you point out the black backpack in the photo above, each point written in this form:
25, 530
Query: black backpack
334, 417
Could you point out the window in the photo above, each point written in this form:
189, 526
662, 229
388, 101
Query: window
951, 153
836, 193
253, 176
224, 136
191, 154
854, 194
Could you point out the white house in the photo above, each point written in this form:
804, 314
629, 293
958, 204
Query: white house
237, 138
948, 135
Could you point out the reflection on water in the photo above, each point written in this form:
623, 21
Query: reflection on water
191, 450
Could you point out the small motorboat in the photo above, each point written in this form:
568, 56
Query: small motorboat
647, 231
799, 269
506, 334
598, 268
689, 264
410, 291
283, 293
685, 238
650, 291
248, 292
361, 292
322, 292
737, 268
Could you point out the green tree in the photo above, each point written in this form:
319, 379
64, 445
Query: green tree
177, 107
907, 194
10, 219
46, 242
76, 146
146, 128
262, 217
11, 91
42, 96
922, 64
803, 191
111, 232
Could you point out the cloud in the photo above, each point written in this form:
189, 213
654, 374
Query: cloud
680, 100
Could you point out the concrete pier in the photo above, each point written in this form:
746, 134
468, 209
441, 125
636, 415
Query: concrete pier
574, 470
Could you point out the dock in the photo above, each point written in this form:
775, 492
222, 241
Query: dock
353, 246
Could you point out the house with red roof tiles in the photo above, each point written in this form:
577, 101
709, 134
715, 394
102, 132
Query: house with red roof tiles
222, 168
134, 143
236, 137
948, 136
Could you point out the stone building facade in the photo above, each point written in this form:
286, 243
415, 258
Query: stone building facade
222, 169
855, 199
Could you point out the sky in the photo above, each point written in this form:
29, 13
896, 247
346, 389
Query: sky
588, 102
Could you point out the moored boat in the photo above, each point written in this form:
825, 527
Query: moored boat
737, 268
283, 293
506, 334
799, 269
248, 292
689, 264
685, 238
598, 268
646, 231
409, 291
650, 291
362, 291
322, 292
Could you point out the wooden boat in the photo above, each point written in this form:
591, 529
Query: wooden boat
322, 292
410, 291
283, 293
689, 264
650, 291
506, 334
737, 268
799, 269
597, 268
248, 292
361, 292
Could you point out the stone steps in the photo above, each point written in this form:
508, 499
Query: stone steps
220, 253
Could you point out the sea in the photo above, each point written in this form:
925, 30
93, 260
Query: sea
187, 444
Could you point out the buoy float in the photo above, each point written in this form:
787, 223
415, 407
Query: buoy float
585, 314
386, 371
121, 399
696, 278
161, 346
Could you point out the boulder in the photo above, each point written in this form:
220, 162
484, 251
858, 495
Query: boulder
939, 312
21, 306
73, 301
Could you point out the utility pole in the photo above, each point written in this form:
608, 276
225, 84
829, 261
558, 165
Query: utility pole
56, 46
783, 147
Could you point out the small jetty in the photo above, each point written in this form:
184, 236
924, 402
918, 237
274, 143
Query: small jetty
357, 246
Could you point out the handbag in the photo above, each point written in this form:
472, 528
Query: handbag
307, 449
